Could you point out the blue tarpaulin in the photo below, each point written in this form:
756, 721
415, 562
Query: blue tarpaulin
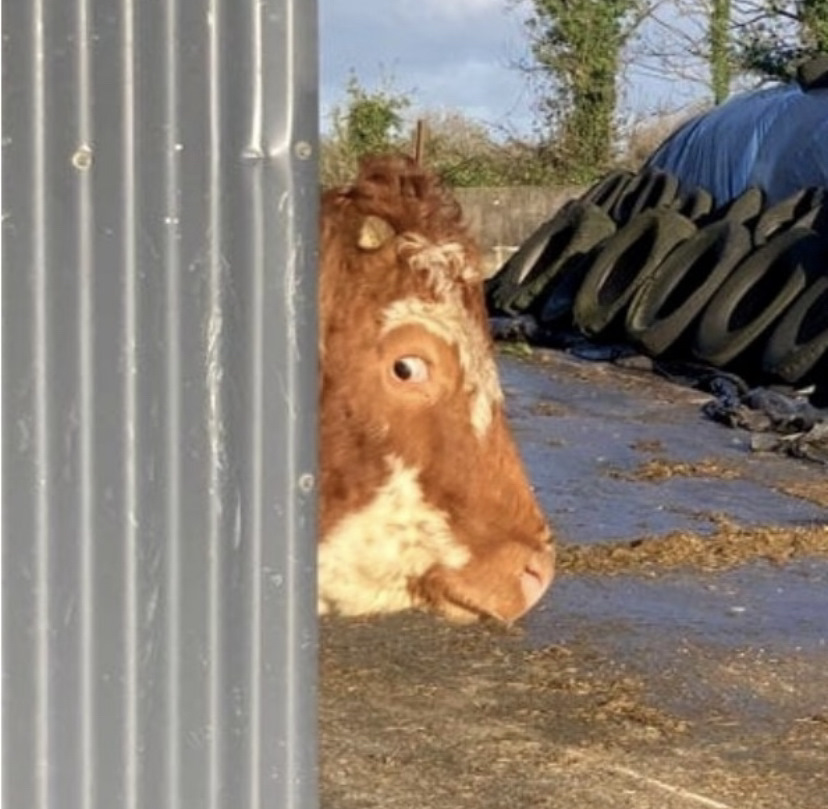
775, 138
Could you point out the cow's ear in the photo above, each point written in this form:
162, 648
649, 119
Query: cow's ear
374, 233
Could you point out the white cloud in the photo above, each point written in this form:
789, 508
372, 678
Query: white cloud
457, 55
450, 10
450, 54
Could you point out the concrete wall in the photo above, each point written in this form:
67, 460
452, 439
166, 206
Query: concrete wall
502, 218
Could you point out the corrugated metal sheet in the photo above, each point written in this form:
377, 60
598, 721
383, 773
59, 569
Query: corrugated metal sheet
159, 392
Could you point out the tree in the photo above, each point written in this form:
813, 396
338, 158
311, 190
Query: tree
692, 40
577, 48
720, 56
369, 121
373, 121
815, 24
463, 151
732, 40
468, 153
780, 34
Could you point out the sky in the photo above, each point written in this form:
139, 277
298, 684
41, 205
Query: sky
444, 54
449, 55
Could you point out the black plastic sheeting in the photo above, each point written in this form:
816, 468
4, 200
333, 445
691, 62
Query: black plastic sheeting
776, 139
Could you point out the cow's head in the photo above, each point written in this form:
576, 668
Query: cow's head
424, 501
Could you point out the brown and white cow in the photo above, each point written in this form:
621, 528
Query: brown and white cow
424, 499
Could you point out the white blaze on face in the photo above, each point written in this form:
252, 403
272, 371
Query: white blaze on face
448, 319
366, 560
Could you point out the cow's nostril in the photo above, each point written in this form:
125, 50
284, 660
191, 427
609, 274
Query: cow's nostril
534, 580
533, 569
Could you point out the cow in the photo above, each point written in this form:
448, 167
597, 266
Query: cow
424, 500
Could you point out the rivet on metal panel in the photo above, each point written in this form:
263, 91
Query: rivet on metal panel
306, 482
82, 158
303, 150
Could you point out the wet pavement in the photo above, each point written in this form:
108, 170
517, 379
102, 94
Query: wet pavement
586, 428
679, 660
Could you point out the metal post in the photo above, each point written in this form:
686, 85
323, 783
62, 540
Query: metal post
419, 141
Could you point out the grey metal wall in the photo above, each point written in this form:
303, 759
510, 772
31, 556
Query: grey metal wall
159, 394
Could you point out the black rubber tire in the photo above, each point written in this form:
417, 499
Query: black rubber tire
813, 74
623, 264
696, 204
787, 212
501, 288
816, 219
587, 226
558, 299
819, 376
606, 191
574, 229
799, 342
755, 294
650, 188
744, 209
670, 301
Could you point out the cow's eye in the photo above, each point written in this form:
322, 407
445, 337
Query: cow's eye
411, 369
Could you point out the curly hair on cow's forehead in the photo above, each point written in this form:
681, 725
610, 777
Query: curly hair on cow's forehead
409, 197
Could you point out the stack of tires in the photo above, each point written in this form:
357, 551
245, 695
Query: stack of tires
742, 286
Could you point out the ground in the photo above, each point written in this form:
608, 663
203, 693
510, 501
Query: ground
680, 659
